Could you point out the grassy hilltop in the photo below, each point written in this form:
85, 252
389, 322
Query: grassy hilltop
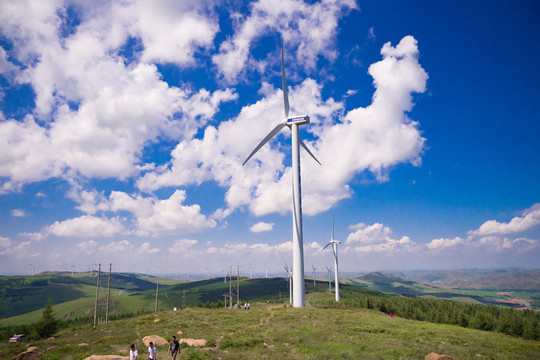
322, 330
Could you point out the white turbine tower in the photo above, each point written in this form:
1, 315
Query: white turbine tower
293, 123
334, 244
314, 268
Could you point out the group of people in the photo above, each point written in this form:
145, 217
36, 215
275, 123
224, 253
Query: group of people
174, 349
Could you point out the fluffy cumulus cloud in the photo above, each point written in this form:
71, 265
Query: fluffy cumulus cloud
86, 226
374, 138
98, 107
261, 227
498, 236
310, 28
442, 243
376, 238
529, 219
150, 216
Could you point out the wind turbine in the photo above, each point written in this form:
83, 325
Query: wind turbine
33, 267
293, 123
329, 279
334, 244
289, 277
314, 268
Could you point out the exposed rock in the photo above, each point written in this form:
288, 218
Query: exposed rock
31, 348
268, 346
27, 355
107, 357
193, 342
179, 332
157, 340
157, 320
83, 344
434, 356
51, 338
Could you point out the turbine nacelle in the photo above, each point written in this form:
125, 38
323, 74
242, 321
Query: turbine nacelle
299, 120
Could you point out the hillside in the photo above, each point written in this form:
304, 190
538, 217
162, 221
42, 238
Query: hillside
278, 332
506, 279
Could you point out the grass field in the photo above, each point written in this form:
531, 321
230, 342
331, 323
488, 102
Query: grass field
270, 331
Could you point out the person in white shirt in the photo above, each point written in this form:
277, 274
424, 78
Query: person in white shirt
152, 352
133, 353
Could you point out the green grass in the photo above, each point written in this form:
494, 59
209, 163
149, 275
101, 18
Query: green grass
274, 331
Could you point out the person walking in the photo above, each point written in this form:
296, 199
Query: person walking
152, 352
133, 355
174, 347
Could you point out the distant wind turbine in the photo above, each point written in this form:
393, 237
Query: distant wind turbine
289, 277
293, 123
314, 268
334, 244
33, 267
329, 279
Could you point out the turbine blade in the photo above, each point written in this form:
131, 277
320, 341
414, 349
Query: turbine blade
333, 220
285, 95
327, 245
265, 140
307, 149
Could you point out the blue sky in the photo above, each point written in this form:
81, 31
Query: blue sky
123, 127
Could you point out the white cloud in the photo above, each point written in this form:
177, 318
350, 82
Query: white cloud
170, 216
530, 218
86, 226
376, 238
4, 242
374, 138
18, 213
182, 246
261, 226
87, 247
309, 28
442, 243
146, 248
122, 106
21, 250
123, 246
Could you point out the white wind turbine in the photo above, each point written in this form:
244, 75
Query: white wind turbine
334, 244
293, 123
289, 277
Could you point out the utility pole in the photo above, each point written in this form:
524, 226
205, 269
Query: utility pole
238, 285
97, 295
266, 270
108, 295
157, 293
224, 276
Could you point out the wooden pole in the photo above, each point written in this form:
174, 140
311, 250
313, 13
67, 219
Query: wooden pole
108, 295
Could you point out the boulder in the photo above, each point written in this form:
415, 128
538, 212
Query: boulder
157, 340
27, 355
193, 342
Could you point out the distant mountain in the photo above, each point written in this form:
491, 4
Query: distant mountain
501, 279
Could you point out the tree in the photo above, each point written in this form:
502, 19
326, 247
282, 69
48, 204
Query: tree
48, 324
